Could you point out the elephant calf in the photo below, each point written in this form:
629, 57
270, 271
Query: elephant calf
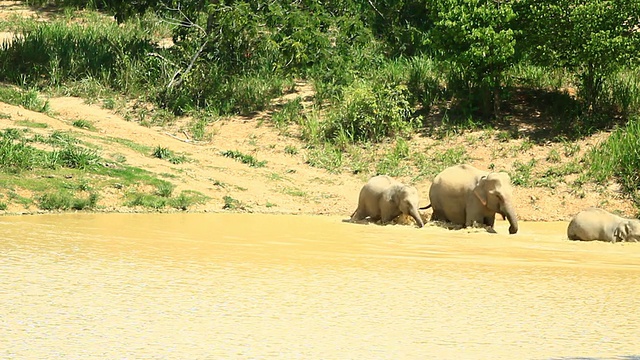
598, 224
384, 198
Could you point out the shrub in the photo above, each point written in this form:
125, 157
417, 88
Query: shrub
371, 112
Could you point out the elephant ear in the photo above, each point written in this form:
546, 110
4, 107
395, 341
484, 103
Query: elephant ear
621, 232
396, 193
480, 192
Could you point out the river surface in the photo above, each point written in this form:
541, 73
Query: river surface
247, 286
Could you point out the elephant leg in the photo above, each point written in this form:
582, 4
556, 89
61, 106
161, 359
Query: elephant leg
474, 214
358, 215
387, 215
438, 215
490, 220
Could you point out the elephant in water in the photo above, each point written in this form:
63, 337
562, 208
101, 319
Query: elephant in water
598, 224
384, 198
464, 195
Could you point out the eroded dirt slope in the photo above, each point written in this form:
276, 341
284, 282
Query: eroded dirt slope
286, 184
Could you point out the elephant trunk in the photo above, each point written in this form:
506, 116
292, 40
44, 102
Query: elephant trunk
510, 213
413, 212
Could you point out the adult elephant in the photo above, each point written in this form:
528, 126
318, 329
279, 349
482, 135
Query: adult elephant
598, 224
384, 198
465, 195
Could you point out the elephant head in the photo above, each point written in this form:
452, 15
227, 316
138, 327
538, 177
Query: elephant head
406, 198
494, 192
627, 230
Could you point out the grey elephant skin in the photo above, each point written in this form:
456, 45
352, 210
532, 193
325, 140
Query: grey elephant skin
599, 224
384, 198
465, 195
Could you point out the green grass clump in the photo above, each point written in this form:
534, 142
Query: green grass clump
392, 162
291, 150
232, 204
84, 124
77, 157
63, 200
60, 138
50, 169
523, 173
553, 156
29, 99
164, 189
289, 113
164, 153
327, 157
198, 129
32, 124
244, 158
162, 198
147, 200
16, 156
625, 91
186, 199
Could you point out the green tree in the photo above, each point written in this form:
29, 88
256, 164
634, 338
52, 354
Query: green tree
592, 38
403, 24
477, 37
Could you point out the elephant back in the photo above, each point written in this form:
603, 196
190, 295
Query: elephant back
460, 178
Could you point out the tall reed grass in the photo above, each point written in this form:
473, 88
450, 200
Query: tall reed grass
624, 89
618, 158
53, 53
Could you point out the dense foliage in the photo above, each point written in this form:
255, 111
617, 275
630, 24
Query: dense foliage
593, 39
477, 37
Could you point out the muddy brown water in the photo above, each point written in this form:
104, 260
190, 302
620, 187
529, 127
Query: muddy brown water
247, 286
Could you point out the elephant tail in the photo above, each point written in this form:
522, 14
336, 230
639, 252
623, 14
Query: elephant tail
426, 207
